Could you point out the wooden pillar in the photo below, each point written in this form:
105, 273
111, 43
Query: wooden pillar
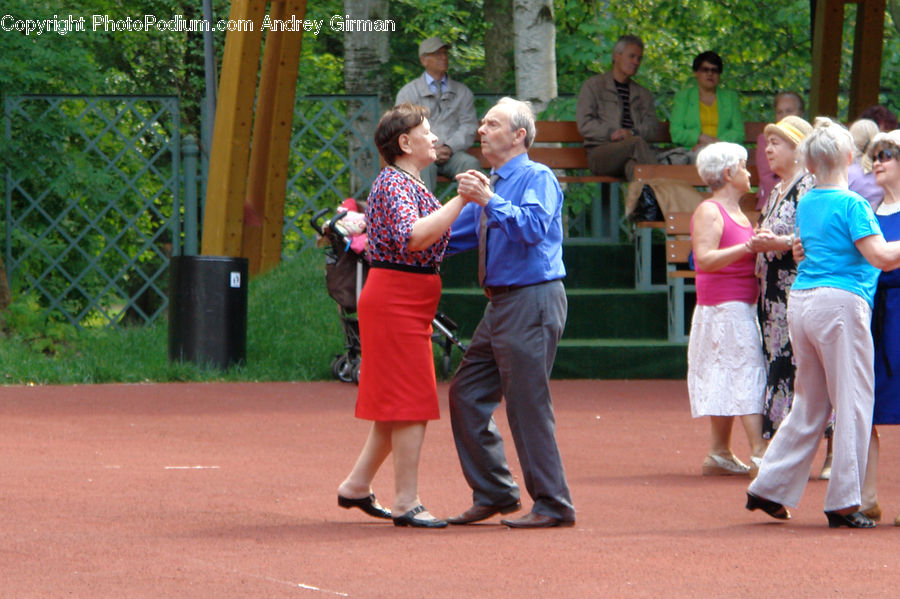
264, 203
826, 68
865, 80
228, 161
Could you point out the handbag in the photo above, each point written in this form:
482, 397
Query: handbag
647, 208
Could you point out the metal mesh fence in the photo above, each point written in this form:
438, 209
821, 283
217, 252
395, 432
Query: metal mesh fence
92, 200
332, 157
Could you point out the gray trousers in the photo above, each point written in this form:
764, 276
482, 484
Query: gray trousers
511, 355
617, 158
459, 162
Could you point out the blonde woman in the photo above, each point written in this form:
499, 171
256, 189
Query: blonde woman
829, 316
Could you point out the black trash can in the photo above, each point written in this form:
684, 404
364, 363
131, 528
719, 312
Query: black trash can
208, 310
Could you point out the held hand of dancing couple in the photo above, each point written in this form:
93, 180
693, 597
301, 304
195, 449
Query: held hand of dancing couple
766, 241
474, 186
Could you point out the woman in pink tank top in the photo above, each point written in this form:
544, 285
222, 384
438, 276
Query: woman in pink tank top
726, 367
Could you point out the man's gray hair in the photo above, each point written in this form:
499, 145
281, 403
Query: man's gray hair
521, 116
716, 159
625, 41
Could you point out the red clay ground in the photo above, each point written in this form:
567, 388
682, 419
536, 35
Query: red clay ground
228, 490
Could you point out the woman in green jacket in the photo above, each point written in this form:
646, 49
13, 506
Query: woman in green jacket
703, 112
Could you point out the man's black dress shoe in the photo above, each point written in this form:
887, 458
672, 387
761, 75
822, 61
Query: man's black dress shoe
773, 508
854, 520
533, 520
477, 513
367, 504
409, 519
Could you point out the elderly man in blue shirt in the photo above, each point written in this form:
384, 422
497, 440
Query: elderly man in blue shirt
515, 221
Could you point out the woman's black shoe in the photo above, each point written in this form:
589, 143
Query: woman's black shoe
367, 504
854, 520
409, 519
776, 510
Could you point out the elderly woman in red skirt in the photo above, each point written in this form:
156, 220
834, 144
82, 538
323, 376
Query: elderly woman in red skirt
408, 231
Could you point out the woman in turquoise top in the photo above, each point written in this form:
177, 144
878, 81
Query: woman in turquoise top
829, 316
704, 113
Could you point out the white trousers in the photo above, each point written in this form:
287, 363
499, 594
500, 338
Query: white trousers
832, 342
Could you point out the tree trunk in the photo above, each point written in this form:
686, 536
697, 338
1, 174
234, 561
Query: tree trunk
365, 55
535, 39
498, 45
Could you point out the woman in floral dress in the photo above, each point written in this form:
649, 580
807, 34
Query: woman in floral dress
775, 265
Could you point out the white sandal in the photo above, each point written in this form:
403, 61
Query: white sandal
715, 465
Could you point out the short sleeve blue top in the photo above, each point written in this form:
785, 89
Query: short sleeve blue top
829, 222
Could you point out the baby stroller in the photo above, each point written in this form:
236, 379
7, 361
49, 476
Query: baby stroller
345, 272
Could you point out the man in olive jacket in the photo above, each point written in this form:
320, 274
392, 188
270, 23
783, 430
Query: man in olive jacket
616, 116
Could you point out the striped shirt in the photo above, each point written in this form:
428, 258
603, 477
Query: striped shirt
625, 98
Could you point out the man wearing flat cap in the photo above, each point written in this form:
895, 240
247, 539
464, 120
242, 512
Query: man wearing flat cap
452, 106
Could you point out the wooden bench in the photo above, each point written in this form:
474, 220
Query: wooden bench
678, 250
570, 155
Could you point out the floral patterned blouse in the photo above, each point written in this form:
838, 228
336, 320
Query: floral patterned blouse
395, 203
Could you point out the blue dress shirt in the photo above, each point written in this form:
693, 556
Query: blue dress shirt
524, 226
436, 86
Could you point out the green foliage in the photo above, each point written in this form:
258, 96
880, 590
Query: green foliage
293, 333
55, 63
27, 321
321, 68
459, 23
890, 67
91, 203
761, 55
766, 47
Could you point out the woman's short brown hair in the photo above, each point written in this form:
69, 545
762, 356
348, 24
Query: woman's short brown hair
400, 119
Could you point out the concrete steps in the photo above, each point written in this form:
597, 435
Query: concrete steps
613, 331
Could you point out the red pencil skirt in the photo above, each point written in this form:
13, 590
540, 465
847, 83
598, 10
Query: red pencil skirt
396, 377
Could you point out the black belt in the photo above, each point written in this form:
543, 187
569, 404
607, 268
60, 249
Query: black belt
419, 270
492, 291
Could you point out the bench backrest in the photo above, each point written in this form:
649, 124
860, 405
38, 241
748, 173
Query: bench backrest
571, 155
678, 223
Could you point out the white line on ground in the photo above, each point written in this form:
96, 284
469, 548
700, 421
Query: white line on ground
191, 468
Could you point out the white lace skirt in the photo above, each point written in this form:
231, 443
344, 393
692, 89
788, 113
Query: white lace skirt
726, 368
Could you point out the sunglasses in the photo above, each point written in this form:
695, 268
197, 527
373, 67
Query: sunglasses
885, 155
710, 70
